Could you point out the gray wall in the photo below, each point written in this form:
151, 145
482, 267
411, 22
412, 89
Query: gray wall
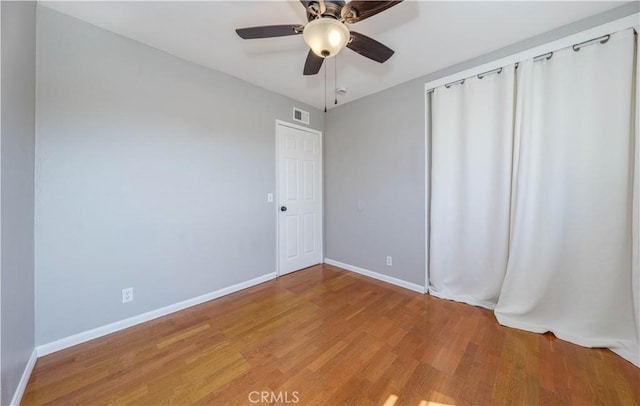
151, 173
375, 183
374, 167
16, 183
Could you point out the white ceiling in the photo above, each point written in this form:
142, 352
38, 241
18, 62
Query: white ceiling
426, 35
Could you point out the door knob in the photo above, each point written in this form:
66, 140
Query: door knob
283, 208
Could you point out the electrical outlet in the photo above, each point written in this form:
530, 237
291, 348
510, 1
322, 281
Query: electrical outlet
389, 261
127, 295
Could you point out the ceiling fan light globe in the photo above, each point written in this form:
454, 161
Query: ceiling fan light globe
326, 36
335, 37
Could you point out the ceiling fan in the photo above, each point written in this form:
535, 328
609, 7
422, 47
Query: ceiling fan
326, 32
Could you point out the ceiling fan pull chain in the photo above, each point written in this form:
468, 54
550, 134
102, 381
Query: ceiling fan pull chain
325, 87
335, 79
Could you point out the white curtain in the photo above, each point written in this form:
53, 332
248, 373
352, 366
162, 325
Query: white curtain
535, 195
570, 265
472, 133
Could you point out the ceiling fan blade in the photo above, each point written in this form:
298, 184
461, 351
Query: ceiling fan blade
313, 64
268, 31
358, 10
369, 47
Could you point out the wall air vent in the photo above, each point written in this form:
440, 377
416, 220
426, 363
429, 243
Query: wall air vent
300, 116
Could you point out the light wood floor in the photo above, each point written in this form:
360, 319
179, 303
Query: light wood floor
324, 336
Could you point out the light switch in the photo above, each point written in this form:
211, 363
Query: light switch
270, 197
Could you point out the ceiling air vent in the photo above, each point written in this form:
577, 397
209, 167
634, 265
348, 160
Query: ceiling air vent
300, 116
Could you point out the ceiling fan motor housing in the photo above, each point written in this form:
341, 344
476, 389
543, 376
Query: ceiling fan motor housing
330, 9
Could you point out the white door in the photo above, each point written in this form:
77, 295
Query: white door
299, 197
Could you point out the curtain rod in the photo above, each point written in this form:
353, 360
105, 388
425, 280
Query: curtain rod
546, 56
457, 82
576, 47
602, 40
491, 72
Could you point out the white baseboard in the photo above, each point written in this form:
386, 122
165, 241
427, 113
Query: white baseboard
375, 275
80, 338
24, 380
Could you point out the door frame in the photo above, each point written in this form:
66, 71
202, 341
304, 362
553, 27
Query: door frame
276, 194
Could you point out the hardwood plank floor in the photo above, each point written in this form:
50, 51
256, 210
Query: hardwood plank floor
327, 336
